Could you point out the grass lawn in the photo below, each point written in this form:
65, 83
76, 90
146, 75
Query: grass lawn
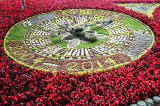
90, 44
17, 32
99, 30
57, 40
133, 23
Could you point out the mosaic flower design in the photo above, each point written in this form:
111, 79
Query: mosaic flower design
78, 40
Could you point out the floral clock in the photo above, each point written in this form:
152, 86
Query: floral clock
78, 40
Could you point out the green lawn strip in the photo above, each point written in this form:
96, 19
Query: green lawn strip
59, 41
90, 44
135, 24
100, 30
17, 32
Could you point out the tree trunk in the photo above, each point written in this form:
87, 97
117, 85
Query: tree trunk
23, 6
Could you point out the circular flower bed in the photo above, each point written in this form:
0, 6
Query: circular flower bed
127, 84
78, 40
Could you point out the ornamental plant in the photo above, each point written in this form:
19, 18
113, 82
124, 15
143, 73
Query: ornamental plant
127, 84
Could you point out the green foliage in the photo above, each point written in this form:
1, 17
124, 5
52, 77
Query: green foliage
98, 56
100, 30
57, 40
79, 30
90, 44
34, 49
17, 32
133, 23
57, 56
77, 33
93, 39
122, 47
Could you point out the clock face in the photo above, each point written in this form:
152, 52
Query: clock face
78, 40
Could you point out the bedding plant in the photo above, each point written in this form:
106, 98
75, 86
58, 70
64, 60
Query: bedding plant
124, 85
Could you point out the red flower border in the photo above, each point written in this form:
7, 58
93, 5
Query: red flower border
156, 15
139, 79
136, 1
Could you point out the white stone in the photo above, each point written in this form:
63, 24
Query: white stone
118, 31
44, 54
156, 99
86, 52
82, 52
73, 43
49, 64
86, 28
62, 57
141, 103
29, 23
112, 49
74, 53
100, 36
149, 101
78, 53
70, 52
